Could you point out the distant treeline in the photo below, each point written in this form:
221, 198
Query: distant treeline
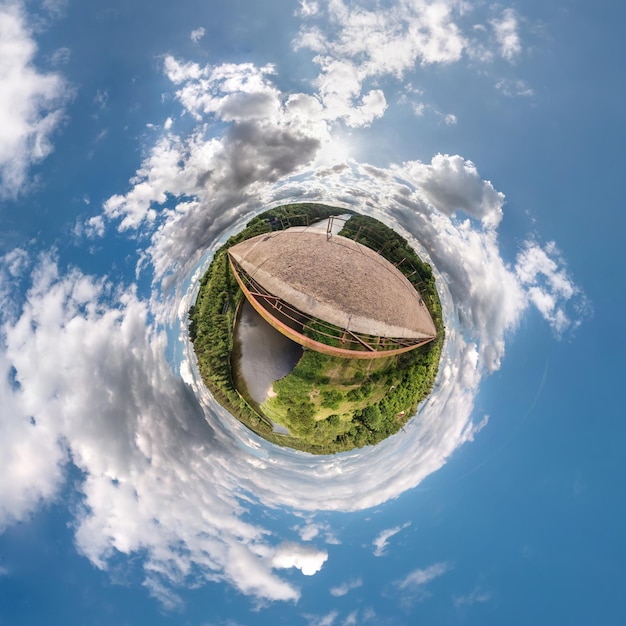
361, 402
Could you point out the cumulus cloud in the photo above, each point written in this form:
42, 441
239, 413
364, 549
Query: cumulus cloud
542, 272
182, 510
356, 44
382, 540
484, 301
451, 183
269, 136
13, 266
90, 228
484, 298
306, 558
388, 41
32, 455
339, 86
308, 531
367, 43
31, 102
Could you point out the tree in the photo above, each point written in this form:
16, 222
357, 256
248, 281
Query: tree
372, 417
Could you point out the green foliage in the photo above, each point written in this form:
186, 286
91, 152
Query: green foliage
331, 399
334, 420
372, 417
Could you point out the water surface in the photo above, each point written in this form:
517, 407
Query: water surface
262, 354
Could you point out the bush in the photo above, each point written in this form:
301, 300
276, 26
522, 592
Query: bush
332, 399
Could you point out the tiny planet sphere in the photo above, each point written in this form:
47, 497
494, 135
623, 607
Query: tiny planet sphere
347, 288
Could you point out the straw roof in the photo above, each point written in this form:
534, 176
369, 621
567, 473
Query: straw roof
337, 280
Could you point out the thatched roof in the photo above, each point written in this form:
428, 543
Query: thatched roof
337, 280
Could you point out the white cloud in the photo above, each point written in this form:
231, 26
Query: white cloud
308, 532
351, 619
382, 540
311, 530
339, 86
322, 620
307, 559
15, 261
13, 266
197, 34
418, 108
506, 32
368, 43
356, 44
31, 102
419, 577
181, 509
414, 587
451, 184
91, 228
390, 41
233, 92
101, 98
484, 300
269, 136
307, 9
542, 272
345, 588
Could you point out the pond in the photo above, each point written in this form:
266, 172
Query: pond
261, 355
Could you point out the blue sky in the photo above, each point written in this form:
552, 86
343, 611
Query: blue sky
134, 136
